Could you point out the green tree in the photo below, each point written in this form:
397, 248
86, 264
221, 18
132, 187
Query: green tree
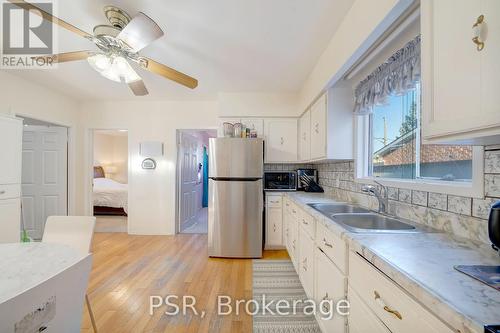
410, 123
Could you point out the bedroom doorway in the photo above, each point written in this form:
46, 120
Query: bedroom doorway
192, 180
110, 180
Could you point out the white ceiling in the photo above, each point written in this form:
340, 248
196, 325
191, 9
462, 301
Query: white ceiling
228, 45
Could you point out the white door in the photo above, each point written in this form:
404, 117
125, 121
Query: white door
318, 128
189, 179
281, 140
44, 176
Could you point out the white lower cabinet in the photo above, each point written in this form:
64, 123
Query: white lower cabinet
361, 319
274, 221
329, 285
306, 262
392, 305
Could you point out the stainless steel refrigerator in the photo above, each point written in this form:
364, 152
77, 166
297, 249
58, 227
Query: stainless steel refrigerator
235, 197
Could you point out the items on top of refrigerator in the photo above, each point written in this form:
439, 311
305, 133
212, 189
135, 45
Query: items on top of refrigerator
238, 130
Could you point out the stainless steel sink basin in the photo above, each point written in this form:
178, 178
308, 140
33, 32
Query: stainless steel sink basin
330, 209
371, 222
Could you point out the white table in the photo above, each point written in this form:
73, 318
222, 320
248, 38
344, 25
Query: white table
42, 284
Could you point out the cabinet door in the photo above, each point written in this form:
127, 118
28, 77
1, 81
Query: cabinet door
294, 241
318, 128
361, 319
459, 96
306, 262
11, 131
330, 285
274, 222
281, 140
10, 220
305, 136
254, 124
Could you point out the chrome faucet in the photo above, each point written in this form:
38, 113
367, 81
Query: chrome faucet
383, 200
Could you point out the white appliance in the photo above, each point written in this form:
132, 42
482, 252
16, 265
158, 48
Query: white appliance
11, 133
235, 197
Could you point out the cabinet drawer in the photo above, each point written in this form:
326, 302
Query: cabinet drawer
361, 319
393, 306
332, 245
274, 200
330, 284
307, 222
10, 191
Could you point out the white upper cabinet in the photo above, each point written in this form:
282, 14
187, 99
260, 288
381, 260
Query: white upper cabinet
254, 124
305, 136
460, 83
318, 128
330, 121
280, 140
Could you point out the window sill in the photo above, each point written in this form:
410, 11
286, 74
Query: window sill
474, 190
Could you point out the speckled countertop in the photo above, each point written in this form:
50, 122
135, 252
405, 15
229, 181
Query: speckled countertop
26, 265
423, 265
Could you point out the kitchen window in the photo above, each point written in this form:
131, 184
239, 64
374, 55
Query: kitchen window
389, 146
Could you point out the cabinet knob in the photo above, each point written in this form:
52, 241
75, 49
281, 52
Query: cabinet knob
304, 221
282, 141
326, 243
2, 192
476, 33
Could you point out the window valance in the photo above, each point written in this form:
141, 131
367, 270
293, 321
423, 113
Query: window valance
396, 76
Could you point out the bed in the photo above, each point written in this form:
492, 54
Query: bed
109, 196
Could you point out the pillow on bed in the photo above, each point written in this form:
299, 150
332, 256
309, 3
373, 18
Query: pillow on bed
99, 172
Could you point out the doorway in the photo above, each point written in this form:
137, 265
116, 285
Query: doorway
44, 176
192, 180
110, 180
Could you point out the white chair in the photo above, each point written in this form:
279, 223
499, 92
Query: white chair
76, 232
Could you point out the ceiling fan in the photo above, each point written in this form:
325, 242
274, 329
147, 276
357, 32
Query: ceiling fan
118, 44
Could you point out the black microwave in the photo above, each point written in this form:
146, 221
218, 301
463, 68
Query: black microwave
280, 181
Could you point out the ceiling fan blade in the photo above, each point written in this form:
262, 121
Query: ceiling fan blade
49, 17
168, 72
140, 32
65, 57
138, 88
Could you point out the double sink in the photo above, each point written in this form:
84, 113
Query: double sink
357, 219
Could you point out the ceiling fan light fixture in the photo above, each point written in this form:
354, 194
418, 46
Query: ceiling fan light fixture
114, 68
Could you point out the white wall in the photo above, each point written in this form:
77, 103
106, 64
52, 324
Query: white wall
112, 150
151, 192
25, 98
364, 24
257, 104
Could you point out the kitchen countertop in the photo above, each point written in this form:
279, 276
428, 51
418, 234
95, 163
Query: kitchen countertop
26, 265
422, 264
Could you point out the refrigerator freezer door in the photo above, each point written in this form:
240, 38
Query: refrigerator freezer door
236, 158
235, 219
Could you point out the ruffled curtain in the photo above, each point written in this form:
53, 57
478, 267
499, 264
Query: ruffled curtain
396, 76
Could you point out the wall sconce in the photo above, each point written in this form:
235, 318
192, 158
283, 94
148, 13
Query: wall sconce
149, 149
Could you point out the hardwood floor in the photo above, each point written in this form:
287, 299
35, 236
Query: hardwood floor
128, 269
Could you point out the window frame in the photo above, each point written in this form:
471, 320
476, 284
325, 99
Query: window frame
362, 153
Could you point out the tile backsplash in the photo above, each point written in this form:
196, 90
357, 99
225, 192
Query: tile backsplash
462, 216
